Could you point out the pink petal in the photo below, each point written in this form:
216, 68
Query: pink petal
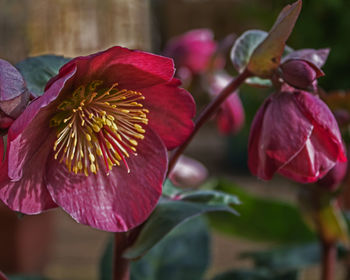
283, 133
28, 195
254, 156
230, 118
117, 202
30, 132
2, 149
324, 121
171, 112
131, 69
313, 161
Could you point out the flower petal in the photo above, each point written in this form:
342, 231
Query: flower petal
171, 110
30, 132
283, 132
313, 162
324, 121
130, 69
29, 194
119, 201
230, 117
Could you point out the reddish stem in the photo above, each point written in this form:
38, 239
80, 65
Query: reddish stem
208, 112
121, 266
329, 255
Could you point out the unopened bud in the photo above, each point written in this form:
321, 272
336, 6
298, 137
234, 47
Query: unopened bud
299, 74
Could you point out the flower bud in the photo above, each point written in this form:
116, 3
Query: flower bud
188, 172
298, 73
14, 95
296, 135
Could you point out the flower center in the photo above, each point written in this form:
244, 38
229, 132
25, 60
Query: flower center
94, 123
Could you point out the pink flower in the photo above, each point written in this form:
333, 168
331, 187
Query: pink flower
230, 117
192, 50
14, 95
294, 134
96, 142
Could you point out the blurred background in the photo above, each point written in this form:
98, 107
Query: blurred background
52, 243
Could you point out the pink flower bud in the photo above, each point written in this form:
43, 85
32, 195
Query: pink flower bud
14, 95
294, 134
298, 73
188, 172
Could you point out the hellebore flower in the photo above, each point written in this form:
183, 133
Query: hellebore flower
294, 134
230, 117
192, 50
95, 142
14, 95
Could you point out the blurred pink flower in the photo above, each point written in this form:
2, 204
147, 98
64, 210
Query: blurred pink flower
295, 134
230, 117
188, 172
192, 50
96, 142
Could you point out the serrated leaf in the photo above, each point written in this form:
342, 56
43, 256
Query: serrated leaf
38, 70
244, 47
256, 274
267, 55
261, 219
171, 213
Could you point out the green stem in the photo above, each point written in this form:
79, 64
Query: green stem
207, 113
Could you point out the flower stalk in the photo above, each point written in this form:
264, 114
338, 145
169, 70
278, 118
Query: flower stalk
328, 259
208, 112
121, 266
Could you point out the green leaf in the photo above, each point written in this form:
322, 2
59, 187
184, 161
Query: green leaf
261, 219
38, 70
267, 55
258, 82
170, 213
244, 47
287, 258
169, 190
257, 274
183, 254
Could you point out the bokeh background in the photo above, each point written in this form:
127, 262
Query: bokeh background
52, 243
